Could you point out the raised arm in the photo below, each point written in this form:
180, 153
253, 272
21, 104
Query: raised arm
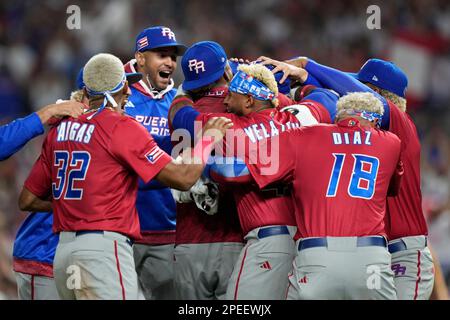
339, 81
16, 134
330, 78
182, 175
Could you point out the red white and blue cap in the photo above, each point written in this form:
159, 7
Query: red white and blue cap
383, 74
246, 84
158, 37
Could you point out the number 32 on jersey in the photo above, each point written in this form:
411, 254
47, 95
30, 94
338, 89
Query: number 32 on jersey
70, 167
363, 179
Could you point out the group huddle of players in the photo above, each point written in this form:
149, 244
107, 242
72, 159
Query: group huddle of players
314, 195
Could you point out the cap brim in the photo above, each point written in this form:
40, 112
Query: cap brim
195, 84
181, 49
133, 77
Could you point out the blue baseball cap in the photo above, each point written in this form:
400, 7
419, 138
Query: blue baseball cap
158, 37
383, 74
131, 77
202, 64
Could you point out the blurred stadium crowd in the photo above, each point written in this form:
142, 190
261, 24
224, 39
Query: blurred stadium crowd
40, 57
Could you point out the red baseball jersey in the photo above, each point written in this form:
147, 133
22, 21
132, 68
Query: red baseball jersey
284, 101
257, 208
91, 167
405, 216
340, 175
194, 225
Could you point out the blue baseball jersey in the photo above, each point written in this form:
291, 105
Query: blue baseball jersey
35, 245
16, 134
155, 204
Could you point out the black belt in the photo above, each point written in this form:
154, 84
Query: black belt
272, 231
80, 233
276, 191
360, 242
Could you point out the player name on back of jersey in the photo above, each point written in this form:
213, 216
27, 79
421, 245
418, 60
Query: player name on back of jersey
258, 131
74, 131
354, 138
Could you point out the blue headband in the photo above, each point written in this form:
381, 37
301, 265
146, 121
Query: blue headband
107, 95
245, 84
369, 116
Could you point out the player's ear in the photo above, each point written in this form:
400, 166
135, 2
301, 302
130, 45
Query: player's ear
140, 59
249, 102
85, 93
126, 89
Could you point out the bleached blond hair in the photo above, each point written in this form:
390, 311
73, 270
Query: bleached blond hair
264, 75
103, 72
77, 95
359, 101
397, 100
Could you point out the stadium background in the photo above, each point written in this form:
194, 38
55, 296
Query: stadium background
40, 57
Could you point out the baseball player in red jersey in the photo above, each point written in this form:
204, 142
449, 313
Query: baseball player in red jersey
340, 175
406, 226
207, 246
405, 223
90, 166
266, 218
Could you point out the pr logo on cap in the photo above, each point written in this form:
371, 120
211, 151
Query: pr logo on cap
374, 78
158, 37
166, 32
197, 65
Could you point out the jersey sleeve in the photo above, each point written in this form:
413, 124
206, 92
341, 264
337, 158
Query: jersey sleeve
185, 119
343, 83
16, 134
311, 80
132, 145
317, 107
322, 103
39, 181
227, 170
334, 79
395, 183
279, 162
284, 101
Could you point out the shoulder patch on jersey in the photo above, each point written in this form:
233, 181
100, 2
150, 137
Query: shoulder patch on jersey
154, 154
